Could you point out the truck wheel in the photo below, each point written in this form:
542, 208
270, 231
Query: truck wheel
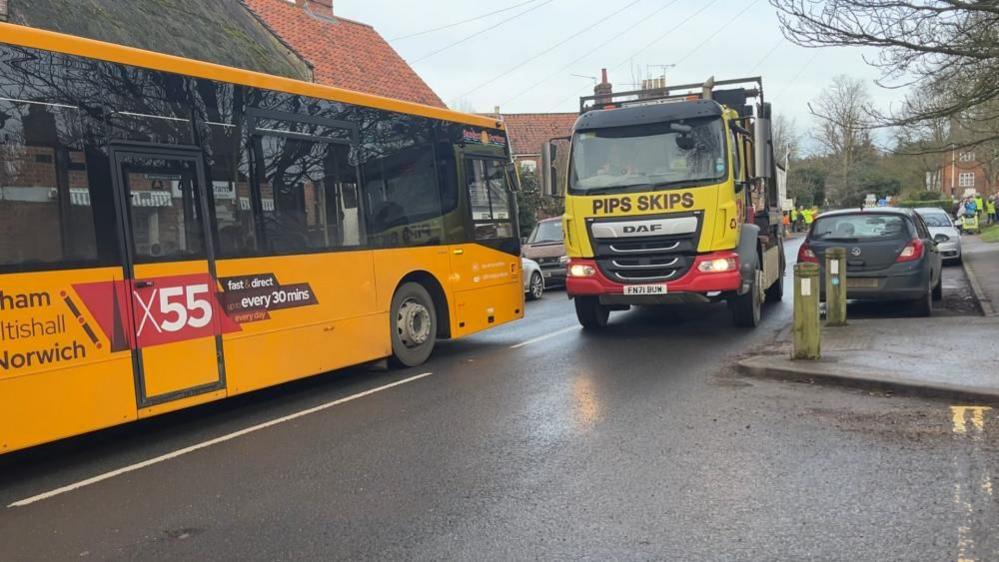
413, 322
591, 314
776, 291
747, 309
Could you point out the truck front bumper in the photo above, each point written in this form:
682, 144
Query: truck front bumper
693, 286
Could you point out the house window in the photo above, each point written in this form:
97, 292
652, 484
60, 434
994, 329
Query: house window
966, 179
967, 157
529, 166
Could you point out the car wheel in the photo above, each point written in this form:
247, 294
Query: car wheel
938, 288
923, 306
536, 288
413, 321
591, 314
747, 309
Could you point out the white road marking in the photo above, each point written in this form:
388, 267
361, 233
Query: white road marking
209, 443
545, 337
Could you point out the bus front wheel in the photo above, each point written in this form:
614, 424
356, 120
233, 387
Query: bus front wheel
591, 314
414, 325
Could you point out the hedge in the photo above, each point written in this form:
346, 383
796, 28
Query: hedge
945, 204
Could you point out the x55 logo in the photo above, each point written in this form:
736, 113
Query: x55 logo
175, 316
170, 309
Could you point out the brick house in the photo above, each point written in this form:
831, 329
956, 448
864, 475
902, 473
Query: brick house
528, 133
966, 169
341, 52
300, 39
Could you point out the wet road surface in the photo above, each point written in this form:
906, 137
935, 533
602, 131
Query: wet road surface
533, 441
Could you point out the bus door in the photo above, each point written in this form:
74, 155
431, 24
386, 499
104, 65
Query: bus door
175, 320
483, 271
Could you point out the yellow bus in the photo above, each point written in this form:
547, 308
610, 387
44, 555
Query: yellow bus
174, 232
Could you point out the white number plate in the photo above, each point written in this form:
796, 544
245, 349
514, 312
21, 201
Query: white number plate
645, 289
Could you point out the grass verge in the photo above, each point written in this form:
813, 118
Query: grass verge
991, 233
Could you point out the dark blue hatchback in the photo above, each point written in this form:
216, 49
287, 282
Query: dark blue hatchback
890, 255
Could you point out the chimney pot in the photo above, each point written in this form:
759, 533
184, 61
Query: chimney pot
319, 6
604, 89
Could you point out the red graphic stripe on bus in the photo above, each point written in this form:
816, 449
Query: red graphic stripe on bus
106, 302
163, 310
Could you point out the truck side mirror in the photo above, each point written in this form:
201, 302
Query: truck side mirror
551, 158
763, 143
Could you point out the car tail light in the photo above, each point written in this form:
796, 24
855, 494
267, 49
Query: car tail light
912, 251
806, 255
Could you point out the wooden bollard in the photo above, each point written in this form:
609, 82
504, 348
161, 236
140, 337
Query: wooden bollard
836, 287
806, 312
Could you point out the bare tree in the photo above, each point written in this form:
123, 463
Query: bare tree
948, 50
462, 104
843, 132
787, 139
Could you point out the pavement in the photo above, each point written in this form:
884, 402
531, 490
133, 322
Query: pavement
950, 355
531, 441
936, 357
981, 261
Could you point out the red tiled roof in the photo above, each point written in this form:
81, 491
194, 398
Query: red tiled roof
344, 53
528, 132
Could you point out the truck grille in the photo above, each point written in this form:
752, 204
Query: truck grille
646, 259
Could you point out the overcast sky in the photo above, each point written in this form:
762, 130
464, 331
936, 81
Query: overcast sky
724, 38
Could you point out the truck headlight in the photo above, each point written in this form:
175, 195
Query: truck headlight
582, 270
719, 265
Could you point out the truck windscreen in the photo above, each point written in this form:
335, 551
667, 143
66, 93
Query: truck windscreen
649, 156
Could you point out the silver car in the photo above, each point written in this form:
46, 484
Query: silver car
534, 281
941, 225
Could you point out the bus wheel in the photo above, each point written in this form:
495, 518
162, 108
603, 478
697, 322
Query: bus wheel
747, 309
591, 314
414, 325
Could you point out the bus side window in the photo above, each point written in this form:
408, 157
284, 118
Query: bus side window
56, 205
229, 177
401, 193
489, 197
305, 189
447, 176
160, 114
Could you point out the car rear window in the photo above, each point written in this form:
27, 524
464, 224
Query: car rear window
936, 219
860, 227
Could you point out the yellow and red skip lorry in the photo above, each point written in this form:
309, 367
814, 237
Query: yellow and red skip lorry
671, 196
